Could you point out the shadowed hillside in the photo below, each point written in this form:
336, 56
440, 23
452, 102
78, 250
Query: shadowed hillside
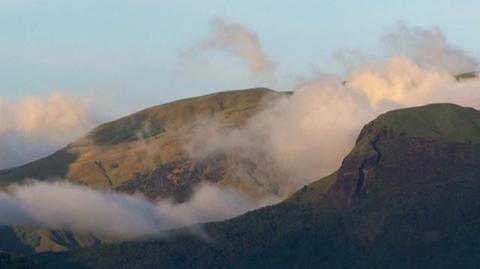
8, 261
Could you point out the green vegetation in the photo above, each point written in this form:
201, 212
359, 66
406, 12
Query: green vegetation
315, 191
444, 122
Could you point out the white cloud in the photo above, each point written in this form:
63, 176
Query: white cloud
33, 126
238, 41
430, 48
61, 205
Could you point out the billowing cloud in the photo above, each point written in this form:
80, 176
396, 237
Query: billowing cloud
304, 136
33, 126
430, 48
307, 134
57, 118
400, 82
61, 205
238, 41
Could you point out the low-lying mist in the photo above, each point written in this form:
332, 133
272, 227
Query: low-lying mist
64, 206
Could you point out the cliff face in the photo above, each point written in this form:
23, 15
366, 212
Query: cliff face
395, 159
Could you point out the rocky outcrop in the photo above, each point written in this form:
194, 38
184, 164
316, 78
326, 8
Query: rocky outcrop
177, 180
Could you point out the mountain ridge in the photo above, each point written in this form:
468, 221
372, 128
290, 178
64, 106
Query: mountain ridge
103, 158
144, 153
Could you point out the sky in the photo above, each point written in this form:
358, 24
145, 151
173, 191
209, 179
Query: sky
127, 55
67, 66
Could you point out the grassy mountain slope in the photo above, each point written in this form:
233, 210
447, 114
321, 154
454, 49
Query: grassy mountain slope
143, 152
136, 146
405, 197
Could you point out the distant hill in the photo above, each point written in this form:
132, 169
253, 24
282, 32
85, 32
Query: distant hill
405, 197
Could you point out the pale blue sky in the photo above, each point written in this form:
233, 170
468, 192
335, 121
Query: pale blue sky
129, 52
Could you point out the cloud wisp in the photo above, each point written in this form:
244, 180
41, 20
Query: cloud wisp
238, 41
429, 47
65, 206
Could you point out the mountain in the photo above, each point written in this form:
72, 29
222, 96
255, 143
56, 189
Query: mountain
406, 196
147, 152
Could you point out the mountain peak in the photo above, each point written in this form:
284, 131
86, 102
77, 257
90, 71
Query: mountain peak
147, 151
175, 115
